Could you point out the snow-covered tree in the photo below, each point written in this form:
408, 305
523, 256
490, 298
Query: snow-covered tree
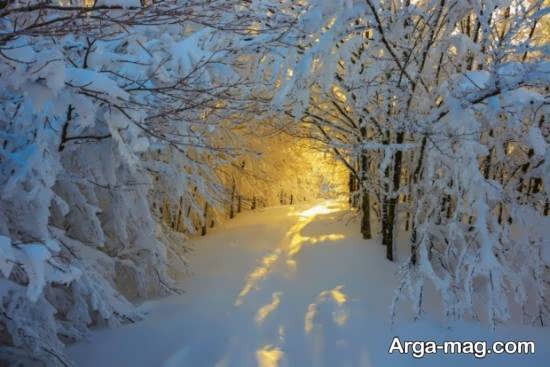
108, 109
442, 104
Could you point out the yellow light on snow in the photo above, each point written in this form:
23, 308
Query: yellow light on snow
297, 240
265, 310
268, 356
257, 275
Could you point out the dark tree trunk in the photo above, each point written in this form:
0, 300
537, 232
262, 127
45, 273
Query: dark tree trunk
365, 219
365, 201
179, 220
415, 178
231, 209
353, 191
350, 189
391, 202
408, 220
388, 226
204, 219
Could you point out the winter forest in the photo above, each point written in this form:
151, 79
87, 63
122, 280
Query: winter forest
272, 182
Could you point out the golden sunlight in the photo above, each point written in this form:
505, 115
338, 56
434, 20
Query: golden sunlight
268, 356
297, 240
257, 274
265, 310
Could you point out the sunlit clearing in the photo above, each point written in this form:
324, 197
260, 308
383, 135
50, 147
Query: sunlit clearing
317, 210
295, 241
265, 310
269, 356
298, 241
324, 238
257, 274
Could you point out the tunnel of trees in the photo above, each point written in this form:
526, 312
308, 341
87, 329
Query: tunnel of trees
128, 126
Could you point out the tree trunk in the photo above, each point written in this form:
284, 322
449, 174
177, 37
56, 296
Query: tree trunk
365, 201
415, 179
353, 191
166, 212
204, 219
179, 220
231, 210
350, 189
389, 218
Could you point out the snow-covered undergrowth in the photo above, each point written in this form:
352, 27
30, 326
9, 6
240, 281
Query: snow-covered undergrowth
106, 115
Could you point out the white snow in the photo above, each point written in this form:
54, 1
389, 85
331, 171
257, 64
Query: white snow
95, 81
290, 286
36, 255
536, 141
6, 256
475, 80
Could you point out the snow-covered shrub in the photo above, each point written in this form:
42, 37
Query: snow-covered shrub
106, 109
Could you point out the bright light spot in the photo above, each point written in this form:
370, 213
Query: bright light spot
289, 73
257, 274
317, 210
265, 310
324, 238
297, 240
336, 294
269, 356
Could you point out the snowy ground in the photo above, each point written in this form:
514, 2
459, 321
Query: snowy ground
289, 286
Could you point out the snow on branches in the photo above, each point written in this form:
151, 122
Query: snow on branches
439, 110
107, 109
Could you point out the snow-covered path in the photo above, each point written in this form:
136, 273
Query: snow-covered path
286, 286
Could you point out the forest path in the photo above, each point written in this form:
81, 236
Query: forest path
284, 286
